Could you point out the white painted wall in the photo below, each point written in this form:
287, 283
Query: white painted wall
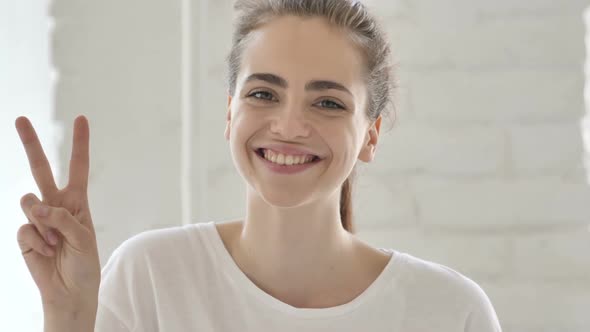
26, 80
585, 123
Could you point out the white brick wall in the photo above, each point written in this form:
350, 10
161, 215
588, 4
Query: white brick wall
440, 148
483, 170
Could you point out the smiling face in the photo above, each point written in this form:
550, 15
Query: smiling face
300, 84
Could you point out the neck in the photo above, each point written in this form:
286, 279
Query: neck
302, 256
301, 246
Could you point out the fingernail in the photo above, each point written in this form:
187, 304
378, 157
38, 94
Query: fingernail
51, 238
42, 211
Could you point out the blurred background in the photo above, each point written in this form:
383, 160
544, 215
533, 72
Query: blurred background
482, 171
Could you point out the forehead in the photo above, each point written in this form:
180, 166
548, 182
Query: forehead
302, 49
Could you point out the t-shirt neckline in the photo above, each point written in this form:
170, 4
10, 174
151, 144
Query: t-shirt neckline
384, 279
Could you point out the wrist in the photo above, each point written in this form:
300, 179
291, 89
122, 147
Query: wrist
81, 319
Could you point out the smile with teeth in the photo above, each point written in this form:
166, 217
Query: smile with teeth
281, 159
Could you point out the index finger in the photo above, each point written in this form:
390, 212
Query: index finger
37, 160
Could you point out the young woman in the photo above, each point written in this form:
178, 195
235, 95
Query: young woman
309, 82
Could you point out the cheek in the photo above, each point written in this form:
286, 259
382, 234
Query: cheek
247, 116
243, 129
335, 134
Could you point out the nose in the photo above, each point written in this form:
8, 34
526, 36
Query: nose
290, 122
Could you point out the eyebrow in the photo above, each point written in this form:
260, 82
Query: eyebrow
316, 85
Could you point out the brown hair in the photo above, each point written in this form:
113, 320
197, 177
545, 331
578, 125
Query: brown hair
363, 30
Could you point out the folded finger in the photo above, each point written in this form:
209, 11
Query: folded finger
30, 240
65, 223
26, 203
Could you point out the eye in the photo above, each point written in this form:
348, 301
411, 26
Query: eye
327, 103
267, 96
264, 94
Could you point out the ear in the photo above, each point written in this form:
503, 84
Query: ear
369, 147
228, 117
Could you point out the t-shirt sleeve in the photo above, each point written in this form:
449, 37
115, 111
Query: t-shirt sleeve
114, 302
483, 317
125, 298
107, 321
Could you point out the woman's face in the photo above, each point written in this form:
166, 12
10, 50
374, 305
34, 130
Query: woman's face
326, 119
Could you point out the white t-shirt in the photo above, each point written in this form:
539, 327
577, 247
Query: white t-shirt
184, 279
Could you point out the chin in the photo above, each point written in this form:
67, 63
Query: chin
284, 198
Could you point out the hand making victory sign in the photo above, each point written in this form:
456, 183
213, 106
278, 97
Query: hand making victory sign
68, 275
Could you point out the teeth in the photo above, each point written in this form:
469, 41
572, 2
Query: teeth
288, 160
